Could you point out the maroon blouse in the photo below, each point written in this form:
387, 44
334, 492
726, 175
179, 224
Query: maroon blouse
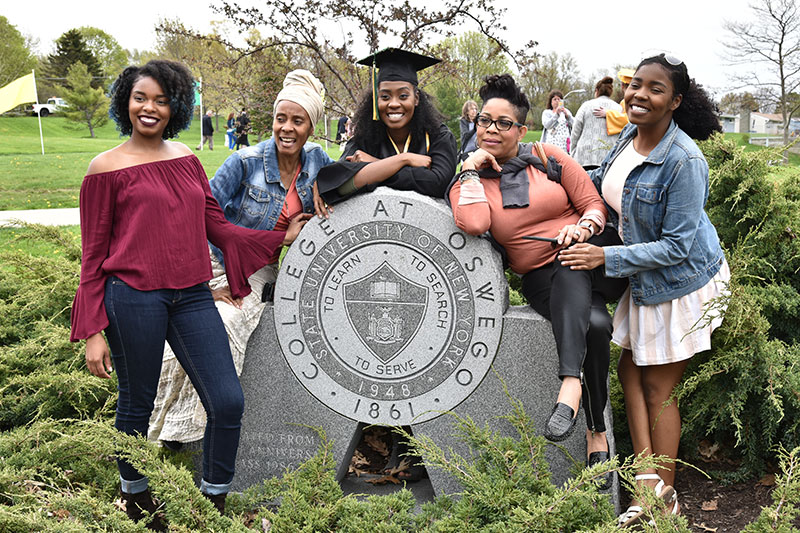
149, 225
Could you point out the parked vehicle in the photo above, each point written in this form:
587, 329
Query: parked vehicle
52, 105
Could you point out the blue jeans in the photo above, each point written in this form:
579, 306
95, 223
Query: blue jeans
139, 323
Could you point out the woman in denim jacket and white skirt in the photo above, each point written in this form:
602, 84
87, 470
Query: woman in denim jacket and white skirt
655, 182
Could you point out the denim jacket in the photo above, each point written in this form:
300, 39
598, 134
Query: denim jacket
248, 184
670, 246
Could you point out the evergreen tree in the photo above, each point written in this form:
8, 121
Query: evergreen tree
87, 105
71, 48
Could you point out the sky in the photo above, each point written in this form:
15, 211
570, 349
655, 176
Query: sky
598, 35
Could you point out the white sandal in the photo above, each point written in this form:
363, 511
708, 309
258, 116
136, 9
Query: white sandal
633, 515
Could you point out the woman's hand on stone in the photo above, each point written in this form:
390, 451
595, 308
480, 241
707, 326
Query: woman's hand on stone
98, 356
223, 294
321, 208
582, 256
479, 159
294, 228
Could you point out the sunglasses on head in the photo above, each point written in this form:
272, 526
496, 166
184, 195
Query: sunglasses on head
668, 57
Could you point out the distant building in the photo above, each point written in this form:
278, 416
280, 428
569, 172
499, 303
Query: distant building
766, 123
730, 123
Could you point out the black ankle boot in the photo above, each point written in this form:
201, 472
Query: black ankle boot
218, 500
136, 504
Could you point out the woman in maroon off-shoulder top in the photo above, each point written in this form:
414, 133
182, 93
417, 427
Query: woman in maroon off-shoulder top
147, 213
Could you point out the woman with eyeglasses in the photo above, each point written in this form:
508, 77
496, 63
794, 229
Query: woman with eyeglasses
655, 183
505, 188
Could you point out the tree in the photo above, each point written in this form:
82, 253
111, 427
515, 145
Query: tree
544, 73
71, 48
299, 30
87, 105
105, 48
770, 39
733, 103
16, 58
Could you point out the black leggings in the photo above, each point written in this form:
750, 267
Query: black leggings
575, 303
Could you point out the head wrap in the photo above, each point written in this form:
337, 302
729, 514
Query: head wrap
305, 90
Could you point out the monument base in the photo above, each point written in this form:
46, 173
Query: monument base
278, 428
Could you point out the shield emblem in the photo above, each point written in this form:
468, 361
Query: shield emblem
385, 310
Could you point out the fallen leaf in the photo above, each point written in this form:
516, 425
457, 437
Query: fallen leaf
767, 481
61, 514
376, 443
266, 525
710, 505
383, 480
708, 450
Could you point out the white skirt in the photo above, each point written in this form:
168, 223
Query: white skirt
674, 330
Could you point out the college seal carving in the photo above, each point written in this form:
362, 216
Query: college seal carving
386, 312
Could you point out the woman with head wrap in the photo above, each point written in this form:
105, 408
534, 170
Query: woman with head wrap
260, 187
400, 140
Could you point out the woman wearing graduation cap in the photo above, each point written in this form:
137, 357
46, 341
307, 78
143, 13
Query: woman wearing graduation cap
400, 139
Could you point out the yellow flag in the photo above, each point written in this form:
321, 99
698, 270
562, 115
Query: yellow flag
19, 91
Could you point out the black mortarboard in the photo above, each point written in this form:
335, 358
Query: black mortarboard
393, 64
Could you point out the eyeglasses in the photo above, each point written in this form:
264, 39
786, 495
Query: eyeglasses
502, 124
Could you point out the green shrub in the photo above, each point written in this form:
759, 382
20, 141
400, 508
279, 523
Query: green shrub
785, 509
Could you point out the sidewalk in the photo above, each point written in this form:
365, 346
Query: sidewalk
48, 217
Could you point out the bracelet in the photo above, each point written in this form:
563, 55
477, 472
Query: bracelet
588, 225
469, 175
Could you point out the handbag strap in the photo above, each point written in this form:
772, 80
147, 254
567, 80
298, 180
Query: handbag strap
537, 146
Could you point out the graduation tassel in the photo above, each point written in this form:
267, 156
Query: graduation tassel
374, 91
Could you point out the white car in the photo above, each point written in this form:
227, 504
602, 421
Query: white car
52, 105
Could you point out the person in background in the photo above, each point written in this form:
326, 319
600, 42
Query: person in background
400, 139
514, 191
616, 120
262, 187
340, 127
147, 214
230, 131
242, 129
556, 122
590, 140
208, 131
466, 125
655, 182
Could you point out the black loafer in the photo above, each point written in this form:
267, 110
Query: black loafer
599, 457
561, 423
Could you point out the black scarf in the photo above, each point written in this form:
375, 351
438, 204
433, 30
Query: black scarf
514, 177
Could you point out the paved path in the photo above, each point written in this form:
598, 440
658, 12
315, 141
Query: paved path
48, 217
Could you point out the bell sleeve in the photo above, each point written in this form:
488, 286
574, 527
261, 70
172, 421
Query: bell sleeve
245, 250
97, 203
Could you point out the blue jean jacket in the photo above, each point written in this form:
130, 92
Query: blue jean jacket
670, 246
248, 185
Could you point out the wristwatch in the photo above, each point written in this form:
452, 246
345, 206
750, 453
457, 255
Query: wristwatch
469, 175
588, 225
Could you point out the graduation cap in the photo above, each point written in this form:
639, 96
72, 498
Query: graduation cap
394, 64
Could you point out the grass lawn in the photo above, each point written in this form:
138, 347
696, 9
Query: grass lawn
30, 180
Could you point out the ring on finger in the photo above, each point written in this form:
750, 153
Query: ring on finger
577, 232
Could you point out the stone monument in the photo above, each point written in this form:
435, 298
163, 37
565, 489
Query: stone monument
386, 313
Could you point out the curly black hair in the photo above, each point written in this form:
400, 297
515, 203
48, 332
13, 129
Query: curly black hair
697, 115
503, 86
177, 83
372, 133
